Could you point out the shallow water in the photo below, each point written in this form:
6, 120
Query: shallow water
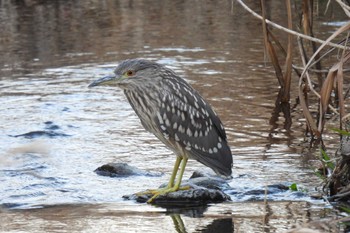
49, 56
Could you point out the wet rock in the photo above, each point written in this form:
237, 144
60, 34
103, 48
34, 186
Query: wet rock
202, 191
51, 126
122, 170
49, 131
270, 189
41, 133
9, 205
208, 180
195, 196
274, 192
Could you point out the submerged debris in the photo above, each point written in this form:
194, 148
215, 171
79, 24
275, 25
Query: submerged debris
123, 170
50, 131
41, 133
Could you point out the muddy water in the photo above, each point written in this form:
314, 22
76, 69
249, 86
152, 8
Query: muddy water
50, 52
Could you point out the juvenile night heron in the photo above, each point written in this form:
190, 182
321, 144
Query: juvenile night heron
176, 114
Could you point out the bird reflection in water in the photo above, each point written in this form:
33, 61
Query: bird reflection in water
222, 225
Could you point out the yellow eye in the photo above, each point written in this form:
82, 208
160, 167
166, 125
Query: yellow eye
129, 73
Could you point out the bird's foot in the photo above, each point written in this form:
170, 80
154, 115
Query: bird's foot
161, 191
164, 191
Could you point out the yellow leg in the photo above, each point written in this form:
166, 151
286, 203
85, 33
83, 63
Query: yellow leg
171, 180
171, 187
173, 174
182, 170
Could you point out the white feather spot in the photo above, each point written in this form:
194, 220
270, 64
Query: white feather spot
206, 132
160, 118
196, 133
177, 138
183, 116
210, 151
178, 113
185, 99
196, 104
189, 132
181, 129
215, 150
167, 122
192, 121
175, 125
219, 145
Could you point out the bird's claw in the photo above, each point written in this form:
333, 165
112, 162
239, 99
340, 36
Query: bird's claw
162, 191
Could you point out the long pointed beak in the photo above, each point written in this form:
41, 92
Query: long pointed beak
103, 81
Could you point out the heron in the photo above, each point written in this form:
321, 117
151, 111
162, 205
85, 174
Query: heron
171, 109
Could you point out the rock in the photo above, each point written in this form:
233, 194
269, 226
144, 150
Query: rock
204, 173
274, 192
41, 133
195, 196
203, 190
122, 170
208, 180
50, 132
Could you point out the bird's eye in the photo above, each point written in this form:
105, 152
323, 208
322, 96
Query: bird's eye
129, 73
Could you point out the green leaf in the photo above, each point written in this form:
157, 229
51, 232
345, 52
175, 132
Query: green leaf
293, 187
320, 175
327, 160
342, 132
346, 209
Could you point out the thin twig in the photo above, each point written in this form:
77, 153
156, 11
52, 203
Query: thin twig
302, 99
306, 73
343, 28
291, 31
345, 7
315, 70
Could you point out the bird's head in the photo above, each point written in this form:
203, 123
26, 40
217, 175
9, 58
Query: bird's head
129, 72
